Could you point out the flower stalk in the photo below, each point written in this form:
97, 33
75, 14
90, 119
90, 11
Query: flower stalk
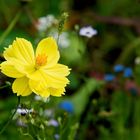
10, 27
11, 117
61, 24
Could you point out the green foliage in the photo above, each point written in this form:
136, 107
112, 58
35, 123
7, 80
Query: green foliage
77, 47
102, 110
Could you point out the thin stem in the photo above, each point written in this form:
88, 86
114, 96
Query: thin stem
4, 86
10, 27
29, 14
11, 117
58, 38
128, 51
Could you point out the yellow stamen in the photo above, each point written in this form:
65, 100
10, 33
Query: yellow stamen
41, 60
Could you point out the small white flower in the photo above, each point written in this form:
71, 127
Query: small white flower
49, 112
45, 22
39, 98
63, 41
41, 25
87, 31
51, 20
24, 111
137, 60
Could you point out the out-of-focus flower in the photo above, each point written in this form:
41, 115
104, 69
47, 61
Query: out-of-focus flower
45, 22
109, 77
49, 113
52, 122
39, 98
87, 31
56, 136
118, 68
64, 41
137, 60
24, 111
128, 72
41, 24
40, 72
67, 106
20, 122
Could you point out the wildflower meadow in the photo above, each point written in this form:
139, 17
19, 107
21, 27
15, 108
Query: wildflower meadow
69, 70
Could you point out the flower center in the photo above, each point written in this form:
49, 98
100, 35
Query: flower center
41, 60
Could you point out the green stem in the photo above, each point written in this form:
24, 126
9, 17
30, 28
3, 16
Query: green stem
58, 37
129, 50
29, 14
11, 117
4, 86
10, 27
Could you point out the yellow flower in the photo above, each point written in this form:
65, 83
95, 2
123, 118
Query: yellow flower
37, 72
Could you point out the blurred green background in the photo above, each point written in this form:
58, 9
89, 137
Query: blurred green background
102, 109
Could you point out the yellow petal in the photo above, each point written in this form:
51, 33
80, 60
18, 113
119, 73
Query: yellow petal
48, 79
57, 92
52, 91
49, 48
22, 50
56, 76
24, 68
43, 93
21, 86
37, 86
9, 52
40, 90
58, 70
8, 69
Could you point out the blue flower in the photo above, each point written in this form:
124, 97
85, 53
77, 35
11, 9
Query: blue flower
118, 68
128, 72
67, 106
109, 77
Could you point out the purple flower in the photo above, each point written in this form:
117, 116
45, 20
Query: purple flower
53, 122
